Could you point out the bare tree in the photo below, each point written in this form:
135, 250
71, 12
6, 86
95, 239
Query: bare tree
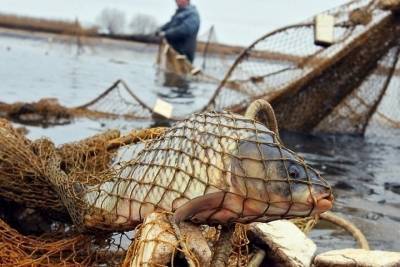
143, 24
112, 20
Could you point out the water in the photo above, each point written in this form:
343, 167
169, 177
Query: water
46, 66
359, 169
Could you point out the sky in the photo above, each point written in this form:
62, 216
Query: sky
235, 21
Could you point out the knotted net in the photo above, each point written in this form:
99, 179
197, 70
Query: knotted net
197, 170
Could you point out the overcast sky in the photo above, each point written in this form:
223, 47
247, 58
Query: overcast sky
236, 21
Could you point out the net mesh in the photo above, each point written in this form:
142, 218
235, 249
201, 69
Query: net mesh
118, 100
21, 172
24, 170
353, 114
311, 86
211, 168
62, 247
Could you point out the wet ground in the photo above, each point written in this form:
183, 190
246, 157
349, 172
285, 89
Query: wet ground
365, 172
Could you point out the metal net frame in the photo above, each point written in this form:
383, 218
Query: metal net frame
310, 85
285, 55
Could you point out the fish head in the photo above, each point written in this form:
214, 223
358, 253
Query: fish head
275, 183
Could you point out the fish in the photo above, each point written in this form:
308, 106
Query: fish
212, 168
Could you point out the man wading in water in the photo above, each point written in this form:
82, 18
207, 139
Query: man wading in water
181, 31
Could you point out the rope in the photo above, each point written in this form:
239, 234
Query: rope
260, 109
348, 226
135, 137
257, 259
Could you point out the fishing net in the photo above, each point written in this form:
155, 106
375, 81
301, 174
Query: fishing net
43, 112
240, 244
24, 170
311, 86
393, 5
171, 61
24, 164
159, 243
355, 112
213, 57
281, 57
62, 247
117, 101
155, 237
21, 172
210, 144
341, 88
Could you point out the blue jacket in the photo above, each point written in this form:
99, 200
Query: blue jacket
181, 31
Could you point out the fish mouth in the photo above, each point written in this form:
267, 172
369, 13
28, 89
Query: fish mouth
321, 203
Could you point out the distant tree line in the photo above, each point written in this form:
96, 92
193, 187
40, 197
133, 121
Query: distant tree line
113, 21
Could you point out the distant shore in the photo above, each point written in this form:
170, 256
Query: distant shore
74, 28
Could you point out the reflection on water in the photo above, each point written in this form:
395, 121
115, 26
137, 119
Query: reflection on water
179, 85
364, 172
176, 82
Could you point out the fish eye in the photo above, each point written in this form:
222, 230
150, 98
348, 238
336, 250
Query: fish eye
294, 171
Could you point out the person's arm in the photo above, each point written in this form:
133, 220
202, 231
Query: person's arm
165, 26
161, 30
188, 26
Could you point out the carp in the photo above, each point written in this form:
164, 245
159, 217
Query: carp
212, 168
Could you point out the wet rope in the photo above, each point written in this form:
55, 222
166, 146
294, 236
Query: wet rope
261, 106
257, 259
348, 226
